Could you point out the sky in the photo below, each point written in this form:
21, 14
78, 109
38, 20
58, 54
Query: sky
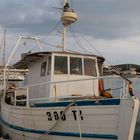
110, 28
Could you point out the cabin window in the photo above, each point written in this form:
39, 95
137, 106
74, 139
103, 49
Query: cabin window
43, 68
60, 66
75, 66
89, 67
49, 66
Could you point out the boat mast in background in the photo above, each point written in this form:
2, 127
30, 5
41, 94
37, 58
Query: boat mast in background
4, 46
68, 17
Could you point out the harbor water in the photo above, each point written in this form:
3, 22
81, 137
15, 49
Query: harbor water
136, 85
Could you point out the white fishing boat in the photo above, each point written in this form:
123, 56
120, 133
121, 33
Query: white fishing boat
67, 97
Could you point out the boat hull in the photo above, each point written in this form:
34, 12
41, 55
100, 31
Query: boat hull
108, 119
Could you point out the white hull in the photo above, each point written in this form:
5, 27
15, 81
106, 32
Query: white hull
90, 119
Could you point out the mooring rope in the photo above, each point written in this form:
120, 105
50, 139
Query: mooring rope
56, 123
79, 126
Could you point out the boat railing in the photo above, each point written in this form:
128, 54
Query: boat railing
123, 89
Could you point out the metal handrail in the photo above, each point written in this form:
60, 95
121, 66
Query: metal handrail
123, 95
68, 81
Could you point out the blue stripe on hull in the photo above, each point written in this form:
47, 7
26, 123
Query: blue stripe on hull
56, 133
80, 103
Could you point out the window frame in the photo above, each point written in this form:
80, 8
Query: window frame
43, 68
49, 65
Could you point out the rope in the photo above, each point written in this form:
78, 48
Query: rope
56, 123
109, 89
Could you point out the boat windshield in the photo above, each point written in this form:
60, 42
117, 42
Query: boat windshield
60, 65
77, 66
89, 67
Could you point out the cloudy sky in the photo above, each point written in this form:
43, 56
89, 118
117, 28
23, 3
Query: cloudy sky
107, 27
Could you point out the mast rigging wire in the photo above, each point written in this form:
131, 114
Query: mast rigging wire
61, 2
78, 41
1, 43
51, 31
49, 44
55, 46
90, 44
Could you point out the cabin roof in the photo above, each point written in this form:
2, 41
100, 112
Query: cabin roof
28, 58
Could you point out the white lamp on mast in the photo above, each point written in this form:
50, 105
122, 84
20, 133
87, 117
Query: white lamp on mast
68, 17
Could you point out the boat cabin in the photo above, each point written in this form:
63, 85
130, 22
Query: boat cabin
62, 74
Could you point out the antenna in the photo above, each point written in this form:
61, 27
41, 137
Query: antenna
58, 8
64, 2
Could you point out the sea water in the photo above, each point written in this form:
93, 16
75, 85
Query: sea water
136, 87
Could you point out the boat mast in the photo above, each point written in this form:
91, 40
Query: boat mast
64, 37
4, 46
64, 33
68, 17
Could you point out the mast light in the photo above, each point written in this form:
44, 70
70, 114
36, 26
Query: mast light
68, 16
